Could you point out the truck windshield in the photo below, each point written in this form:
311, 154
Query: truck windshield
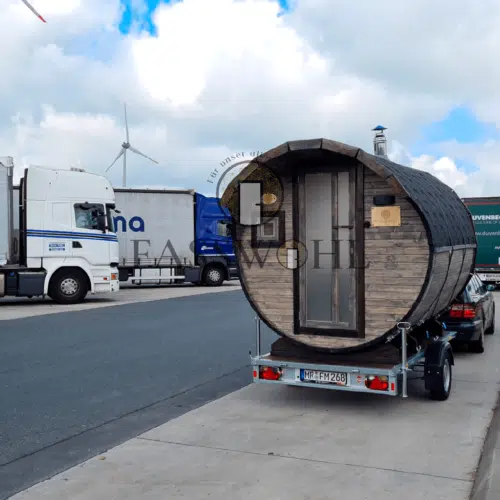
109, 218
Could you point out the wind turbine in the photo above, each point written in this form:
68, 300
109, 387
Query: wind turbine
30, 7
123, 152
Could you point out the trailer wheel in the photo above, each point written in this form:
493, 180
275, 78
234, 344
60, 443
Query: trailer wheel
68, 286
440, 381
213, 275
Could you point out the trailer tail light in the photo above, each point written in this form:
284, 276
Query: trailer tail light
466, 311
268, 373
377, 383
114, 277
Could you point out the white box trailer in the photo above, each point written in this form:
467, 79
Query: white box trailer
172, 236
155, 227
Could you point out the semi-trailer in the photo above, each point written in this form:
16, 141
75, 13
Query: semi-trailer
173, 236
486, 216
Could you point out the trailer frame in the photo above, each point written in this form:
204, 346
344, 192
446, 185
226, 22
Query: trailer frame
433, 359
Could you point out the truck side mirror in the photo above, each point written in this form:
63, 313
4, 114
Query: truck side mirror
101, 222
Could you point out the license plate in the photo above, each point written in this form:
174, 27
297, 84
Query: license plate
321, 377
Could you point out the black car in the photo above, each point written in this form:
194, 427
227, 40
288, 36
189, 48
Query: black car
472, 314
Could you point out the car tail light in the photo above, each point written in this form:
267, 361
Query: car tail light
268, 373
377, 383
467, 311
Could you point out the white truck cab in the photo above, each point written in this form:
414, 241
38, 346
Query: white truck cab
60, 240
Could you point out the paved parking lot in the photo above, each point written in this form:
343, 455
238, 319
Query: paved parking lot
75, 383
12, 308
298, 444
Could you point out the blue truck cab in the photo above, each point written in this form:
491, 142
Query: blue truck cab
213, 249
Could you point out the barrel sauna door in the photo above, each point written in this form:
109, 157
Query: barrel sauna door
327, 280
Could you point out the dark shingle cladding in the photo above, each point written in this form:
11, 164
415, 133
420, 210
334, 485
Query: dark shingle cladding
447, 218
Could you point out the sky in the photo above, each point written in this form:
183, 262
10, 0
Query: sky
206, 79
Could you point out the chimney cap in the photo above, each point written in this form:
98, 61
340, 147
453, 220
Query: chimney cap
379, 128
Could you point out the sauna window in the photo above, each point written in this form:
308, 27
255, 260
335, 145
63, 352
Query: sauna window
268, 230
271, 233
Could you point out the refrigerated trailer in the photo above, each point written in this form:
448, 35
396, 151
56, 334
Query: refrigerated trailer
486, 217
55, 234
173, 236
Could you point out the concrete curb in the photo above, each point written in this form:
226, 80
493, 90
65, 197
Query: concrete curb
487, 477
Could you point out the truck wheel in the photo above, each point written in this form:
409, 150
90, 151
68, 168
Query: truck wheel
213, 275
68, 287
478, 345
441, 381
491, 329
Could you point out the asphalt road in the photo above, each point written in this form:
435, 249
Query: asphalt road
74, 384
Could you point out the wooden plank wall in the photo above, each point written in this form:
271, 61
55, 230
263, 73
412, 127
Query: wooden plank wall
396, 260
438, 292
270, 285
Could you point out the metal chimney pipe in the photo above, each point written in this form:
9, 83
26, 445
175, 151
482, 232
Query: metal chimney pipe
380, 142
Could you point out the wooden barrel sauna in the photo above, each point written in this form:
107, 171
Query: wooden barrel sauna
335, 246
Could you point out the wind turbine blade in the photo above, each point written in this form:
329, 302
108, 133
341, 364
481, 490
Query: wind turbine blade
126, 121
116, 159
30, 7
137, 152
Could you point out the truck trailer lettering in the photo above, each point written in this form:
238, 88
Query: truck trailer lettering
135, 224
485, 214
486, 217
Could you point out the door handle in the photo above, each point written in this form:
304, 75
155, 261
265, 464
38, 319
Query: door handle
76, 244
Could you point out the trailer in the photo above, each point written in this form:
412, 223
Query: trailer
173, 236
486, 216
359, 258
383, 371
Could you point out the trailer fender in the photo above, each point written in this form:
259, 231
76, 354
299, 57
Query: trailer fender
435, 354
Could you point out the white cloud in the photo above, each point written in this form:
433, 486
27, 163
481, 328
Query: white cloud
444, 168
224, 76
